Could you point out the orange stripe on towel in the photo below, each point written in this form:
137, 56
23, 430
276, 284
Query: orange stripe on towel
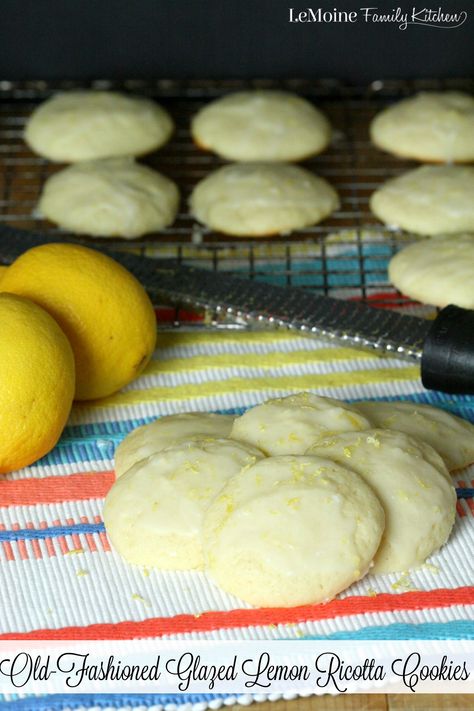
7, 546
208, 621
54, 489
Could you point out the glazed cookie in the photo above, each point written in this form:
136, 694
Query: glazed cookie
431, 126
429, 200
261, 125
152, 438
289, 425
437, 271
261, 199
450, 436
291, 531
413, 485
108, 198
153, 513
86, 125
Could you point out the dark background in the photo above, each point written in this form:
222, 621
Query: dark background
222, 38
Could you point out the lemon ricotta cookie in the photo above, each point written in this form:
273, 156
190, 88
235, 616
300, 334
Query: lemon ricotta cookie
261, 125
429, 200
154, 512
110, 197
431, 126
437, 271
262, 199
450, 436
86, 125
289, 425
291, 530
413, 485
152, 438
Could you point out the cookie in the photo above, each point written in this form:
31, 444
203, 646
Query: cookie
289, 425
429, 200
165, 431
114, 197
292, 530
437, 271
413, 485
261, 199
431, 127
153, 513
261, 125
86, 125
450, 436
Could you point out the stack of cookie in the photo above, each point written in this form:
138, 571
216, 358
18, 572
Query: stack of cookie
293, 501
261, 194
104, 192
432, 200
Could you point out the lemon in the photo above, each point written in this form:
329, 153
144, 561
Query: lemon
36, 382
3, 270
100, 306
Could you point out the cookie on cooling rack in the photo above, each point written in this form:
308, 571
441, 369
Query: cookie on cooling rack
289, 425
431, 127
429, 200
450, 436
262, 199
437, 271
413, 485
110, 197
261, 125
152, 438
86, 125
292, 530
154, 512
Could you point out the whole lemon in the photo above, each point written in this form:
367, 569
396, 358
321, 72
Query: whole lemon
103, 310
36, 382
3, 271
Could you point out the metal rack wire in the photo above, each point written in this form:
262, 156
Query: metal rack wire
345, 256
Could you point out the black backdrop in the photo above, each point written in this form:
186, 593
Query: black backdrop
222, 38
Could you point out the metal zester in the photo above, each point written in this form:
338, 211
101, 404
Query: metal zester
444, 347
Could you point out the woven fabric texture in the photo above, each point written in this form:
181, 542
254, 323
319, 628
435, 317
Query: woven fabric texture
60, 579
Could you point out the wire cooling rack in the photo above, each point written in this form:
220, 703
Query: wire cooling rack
345, 256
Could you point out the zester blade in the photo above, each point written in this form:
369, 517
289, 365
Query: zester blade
348, 322
351, 323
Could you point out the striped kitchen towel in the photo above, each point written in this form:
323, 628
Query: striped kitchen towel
60, 578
